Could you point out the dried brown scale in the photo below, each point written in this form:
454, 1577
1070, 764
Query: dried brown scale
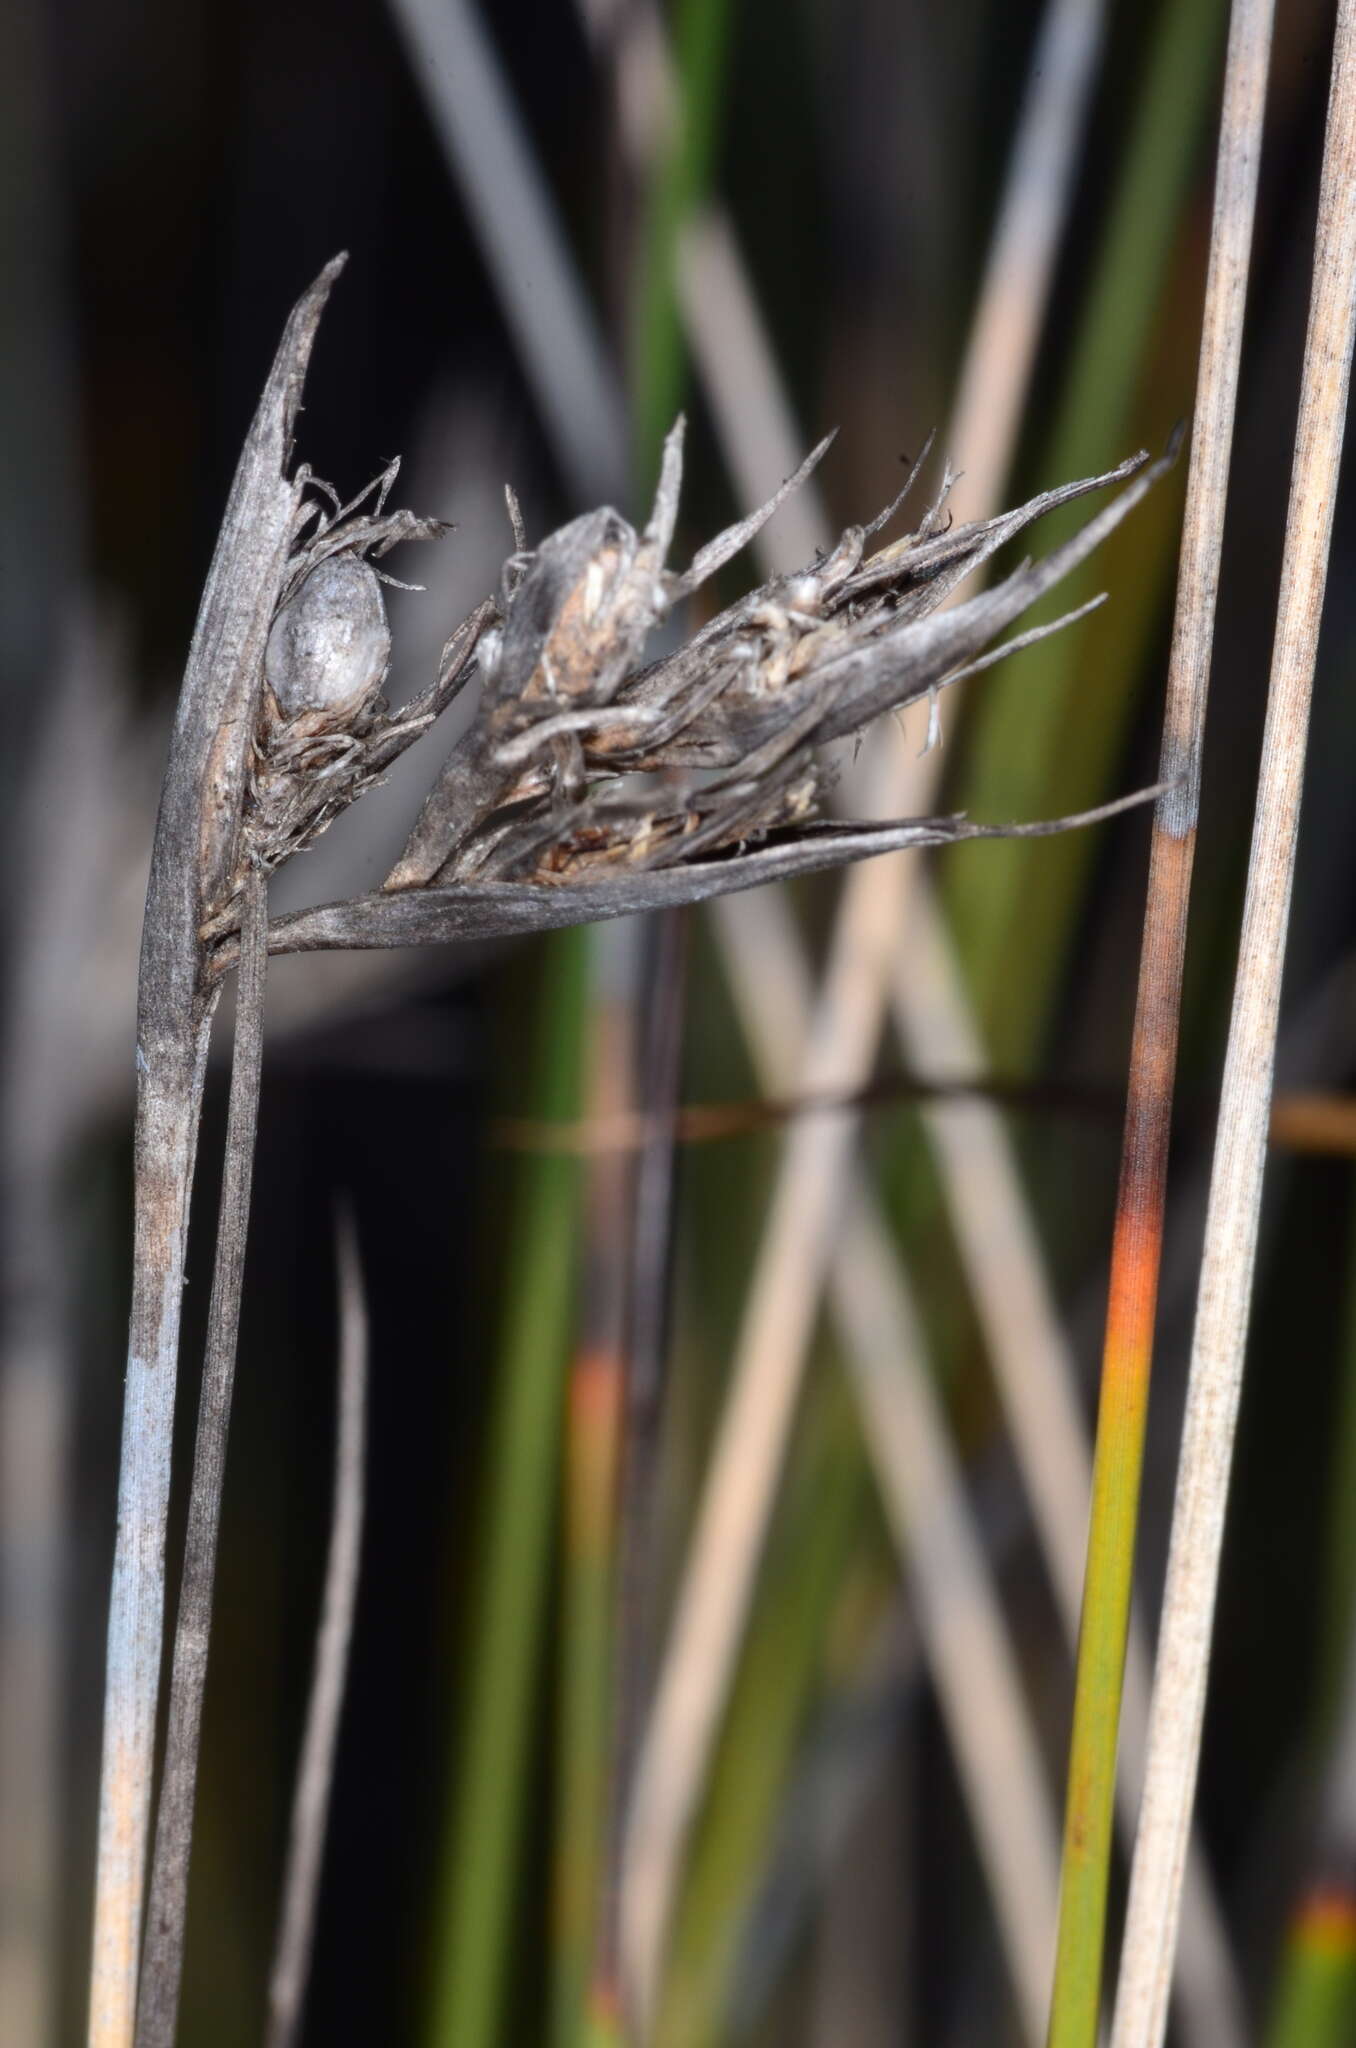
793, 628
577, 613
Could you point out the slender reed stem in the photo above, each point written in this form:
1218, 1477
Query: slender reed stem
315, 1775
951, 1591
1040, 727
192, 859
454, 65
720, 1570
634, 1563
817, 1590
167, 1908
1138, 1238
594, 1403
169, 1100
1225, 1292
682, 174
521, 1466
1010, 311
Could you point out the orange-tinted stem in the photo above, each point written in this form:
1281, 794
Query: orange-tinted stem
1138, 1239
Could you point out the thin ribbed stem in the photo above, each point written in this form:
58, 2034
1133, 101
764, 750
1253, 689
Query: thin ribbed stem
167, 1909
1225, 1293
315, 1772
1138, 1238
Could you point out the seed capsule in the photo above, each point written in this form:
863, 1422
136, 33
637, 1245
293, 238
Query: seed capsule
330, 645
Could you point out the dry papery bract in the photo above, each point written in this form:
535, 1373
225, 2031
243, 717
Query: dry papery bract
591, 782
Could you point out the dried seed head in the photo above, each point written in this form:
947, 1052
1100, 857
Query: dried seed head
551, 781
330, 644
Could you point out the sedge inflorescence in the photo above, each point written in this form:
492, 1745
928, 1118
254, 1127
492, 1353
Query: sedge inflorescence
584, 758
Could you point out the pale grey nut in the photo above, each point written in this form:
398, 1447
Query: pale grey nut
330, 645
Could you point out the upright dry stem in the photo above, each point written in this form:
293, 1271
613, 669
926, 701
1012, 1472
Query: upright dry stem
168, 1105
194, 854
720, 1570
162, 1962
500, 183
315, 1774
594, 1407
658, 1076
951, 1591
1137, 1245
1224, 1297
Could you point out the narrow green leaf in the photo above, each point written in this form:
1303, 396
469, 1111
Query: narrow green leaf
475, 1921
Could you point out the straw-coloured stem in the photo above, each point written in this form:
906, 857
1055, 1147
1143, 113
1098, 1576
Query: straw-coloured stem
1137, 1245
500, 183
1040, 728
1224, 1298
315, 1773
959, 1613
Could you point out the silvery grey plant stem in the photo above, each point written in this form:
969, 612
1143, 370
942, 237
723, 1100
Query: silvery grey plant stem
1225, 1292
311, 1801
193, 854
1105, 1670
163, 1957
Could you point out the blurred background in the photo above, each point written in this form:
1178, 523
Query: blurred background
566, 220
